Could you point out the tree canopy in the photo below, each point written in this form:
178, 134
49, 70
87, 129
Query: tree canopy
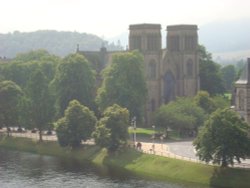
41, 102
74, 79
124, 84
228, 75
112, 129
180, 115
77, 125
10, 94
223, 139
210, 75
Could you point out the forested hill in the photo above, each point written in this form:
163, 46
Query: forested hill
58, 43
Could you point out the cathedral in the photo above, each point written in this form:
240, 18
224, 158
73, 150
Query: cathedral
171, 72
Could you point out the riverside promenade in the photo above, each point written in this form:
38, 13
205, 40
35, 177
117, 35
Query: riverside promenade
182, 150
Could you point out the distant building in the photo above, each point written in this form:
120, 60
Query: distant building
170, 72
4, 59
242, 93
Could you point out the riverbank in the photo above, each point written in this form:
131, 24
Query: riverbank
138, 164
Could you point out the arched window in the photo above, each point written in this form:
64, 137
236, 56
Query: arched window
152, 105
190, 68
152, 70
241, 100
169, 87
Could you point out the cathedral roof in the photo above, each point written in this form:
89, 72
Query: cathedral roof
245, 75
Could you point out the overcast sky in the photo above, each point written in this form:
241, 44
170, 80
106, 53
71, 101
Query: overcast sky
108, 18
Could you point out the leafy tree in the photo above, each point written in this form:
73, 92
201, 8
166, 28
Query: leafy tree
210, 75
181, 115
10, 94
204, 100
223, 139
124, 84
41, 102
37, 55
221, 101
77, 124
112, 129
228, 76
74, 79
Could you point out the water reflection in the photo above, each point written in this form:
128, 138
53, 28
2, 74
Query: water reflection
19, 169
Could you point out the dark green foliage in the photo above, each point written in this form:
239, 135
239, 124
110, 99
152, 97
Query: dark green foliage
112, 129
74, 79
228, 75
210, 75
10, 94
124, 84
41, 101
204, 100
181, 115
77, 125
19, 70
223, 139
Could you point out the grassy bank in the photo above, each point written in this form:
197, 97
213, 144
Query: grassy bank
143, 165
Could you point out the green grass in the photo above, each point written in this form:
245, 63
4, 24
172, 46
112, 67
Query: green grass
138, 164
148, 132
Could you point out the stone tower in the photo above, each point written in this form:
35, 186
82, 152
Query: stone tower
181, 62
242, 93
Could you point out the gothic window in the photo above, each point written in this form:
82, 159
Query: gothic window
241, 100
189, 68
152, 42
173, 43
190, 43
135, 42
152, 105
169, 87
152, 70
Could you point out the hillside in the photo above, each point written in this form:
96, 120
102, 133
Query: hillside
58, 43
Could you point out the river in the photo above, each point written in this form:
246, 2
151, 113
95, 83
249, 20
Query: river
22, 170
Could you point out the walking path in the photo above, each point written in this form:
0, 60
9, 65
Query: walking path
182, 150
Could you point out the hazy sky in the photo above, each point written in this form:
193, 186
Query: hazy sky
109, 18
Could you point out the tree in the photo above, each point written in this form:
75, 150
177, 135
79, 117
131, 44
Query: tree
41, 102
112, 129
77, 124
124, 84
210, 75
223, 139
74, 79
228, 75
10, 94
204, 100
182, 115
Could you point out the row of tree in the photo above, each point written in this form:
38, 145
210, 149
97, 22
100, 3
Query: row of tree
37, 88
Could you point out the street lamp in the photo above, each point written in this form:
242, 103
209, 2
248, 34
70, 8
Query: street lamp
134, 126
153, 146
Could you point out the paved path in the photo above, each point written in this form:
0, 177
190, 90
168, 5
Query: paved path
183, 150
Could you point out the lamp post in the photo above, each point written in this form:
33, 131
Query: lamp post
134, 126
153, 146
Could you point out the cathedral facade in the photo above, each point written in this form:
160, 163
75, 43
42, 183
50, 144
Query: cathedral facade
171, 72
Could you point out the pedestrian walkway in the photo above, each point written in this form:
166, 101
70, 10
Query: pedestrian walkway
163, 149
171, 150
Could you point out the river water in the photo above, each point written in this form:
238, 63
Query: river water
21, 170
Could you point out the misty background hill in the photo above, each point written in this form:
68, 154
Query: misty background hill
58, 43
227, 41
